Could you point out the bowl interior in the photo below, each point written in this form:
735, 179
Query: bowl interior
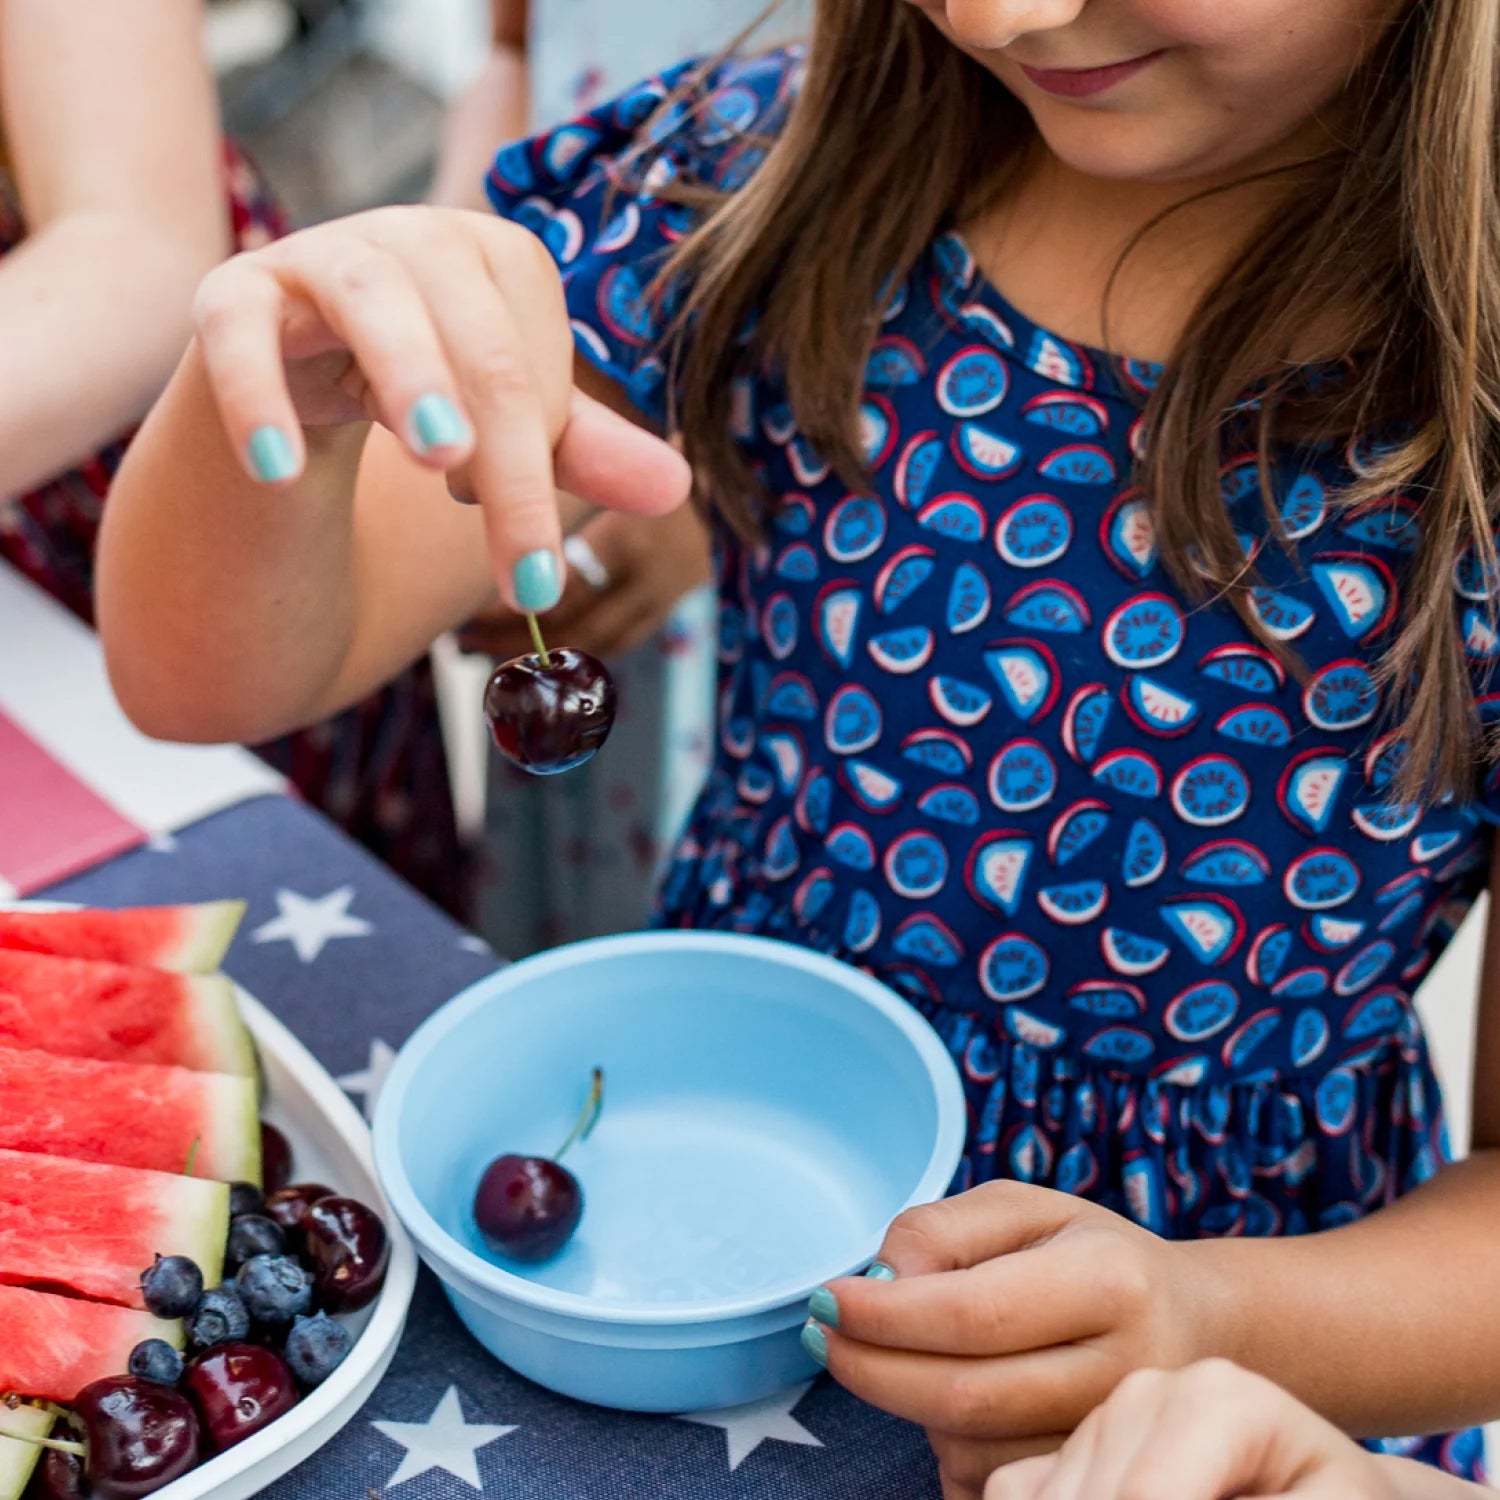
764, 1120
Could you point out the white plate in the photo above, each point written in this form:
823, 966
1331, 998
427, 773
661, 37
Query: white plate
331, 1144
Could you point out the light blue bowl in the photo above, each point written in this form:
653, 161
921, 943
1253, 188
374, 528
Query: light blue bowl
768, 1112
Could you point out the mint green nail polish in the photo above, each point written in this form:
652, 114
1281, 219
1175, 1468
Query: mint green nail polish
880, 1272
537, 581
271, 455
437, 423
815, 1341
823, 1307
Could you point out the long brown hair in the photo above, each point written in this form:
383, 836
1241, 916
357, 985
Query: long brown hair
896, 134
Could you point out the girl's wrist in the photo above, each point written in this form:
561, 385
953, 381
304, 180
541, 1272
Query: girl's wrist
1218, 1290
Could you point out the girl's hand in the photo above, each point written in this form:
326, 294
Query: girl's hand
1208, 1432
1015, 1311
450, 329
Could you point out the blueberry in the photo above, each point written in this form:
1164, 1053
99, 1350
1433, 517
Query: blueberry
172, 1286
245, 1198
274, 1288
219, 1318
156, 1359
316, 1347
252, 1235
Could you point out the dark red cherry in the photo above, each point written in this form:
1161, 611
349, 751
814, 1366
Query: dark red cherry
287, 1205
347, 1249
58, 1476
275, 1158
238, 1389
141, 1435
527, 1207
549, 714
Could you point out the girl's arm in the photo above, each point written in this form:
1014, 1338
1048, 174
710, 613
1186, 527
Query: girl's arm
111, 129
281, 538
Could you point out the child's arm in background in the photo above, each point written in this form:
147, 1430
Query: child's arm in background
490, 112
112, 132
1209, 1432
235, 608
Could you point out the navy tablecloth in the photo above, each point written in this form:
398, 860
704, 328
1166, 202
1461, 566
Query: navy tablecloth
351, 959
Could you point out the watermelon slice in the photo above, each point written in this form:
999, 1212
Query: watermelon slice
191, 939
93, 1229
54, 1346
80, 1007
129, 1115
17, 1460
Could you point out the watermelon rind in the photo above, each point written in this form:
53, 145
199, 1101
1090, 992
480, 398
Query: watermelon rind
54, 1346
225, 1041
129, 935
93, 1229
19, 1459
130, 1114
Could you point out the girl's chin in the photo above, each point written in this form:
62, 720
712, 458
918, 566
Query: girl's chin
1119, 148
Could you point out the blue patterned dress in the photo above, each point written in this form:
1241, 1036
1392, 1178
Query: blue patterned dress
1154, 893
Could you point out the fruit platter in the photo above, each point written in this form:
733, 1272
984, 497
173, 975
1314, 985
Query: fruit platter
200, 1281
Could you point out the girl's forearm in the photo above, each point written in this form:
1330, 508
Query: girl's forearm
1386, 1325
95, 308
226, 608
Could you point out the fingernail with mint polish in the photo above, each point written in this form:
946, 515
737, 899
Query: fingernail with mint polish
823, 1307
271, 456
537, 581
815, 1341
437, 423
879, 1271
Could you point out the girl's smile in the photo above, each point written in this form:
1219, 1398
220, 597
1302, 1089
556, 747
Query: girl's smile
1083, 83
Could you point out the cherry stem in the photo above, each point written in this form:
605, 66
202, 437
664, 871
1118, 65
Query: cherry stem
63, 1445
583, 1127
536, 635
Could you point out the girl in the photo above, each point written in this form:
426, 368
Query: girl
1120, 708
117, 194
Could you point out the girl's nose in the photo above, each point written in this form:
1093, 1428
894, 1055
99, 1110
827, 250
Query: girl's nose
989, 25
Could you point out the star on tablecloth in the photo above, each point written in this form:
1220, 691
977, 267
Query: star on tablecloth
443, 1441
371, 1079
747, 1427
310, 922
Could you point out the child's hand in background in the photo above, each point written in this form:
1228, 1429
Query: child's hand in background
449, 328
1209, 1432
1015, 1311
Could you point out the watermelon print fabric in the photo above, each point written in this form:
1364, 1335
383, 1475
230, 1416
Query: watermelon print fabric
1154, 893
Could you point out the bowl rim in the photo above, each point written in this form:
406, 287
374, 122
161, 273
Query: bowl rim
458, 1261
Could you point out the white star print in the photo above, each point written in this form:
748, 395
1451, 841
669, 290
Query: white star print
443, 1441
371, 1079
747, 1427
310, 922
471, 944
162, 843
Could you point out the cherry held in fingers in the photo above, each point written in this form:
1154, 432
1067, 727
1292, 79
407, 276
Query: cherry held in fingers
527, 1207
550, 710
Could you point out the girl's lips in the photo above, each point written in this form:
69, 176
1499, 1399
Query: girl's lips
1079, 83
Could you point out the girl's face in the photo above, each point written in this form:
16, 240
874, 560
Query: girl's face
1169, 90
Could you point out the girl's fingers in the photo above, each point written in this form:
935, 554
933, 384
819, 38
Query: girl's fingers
608, 460
1019, 1396
971, 1461
371, 301
238, 313
1095, 1460
987, 1221
1055, 1293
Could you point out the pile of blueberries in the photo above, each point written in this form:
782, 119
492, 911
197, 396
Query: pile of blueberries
256, 1344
